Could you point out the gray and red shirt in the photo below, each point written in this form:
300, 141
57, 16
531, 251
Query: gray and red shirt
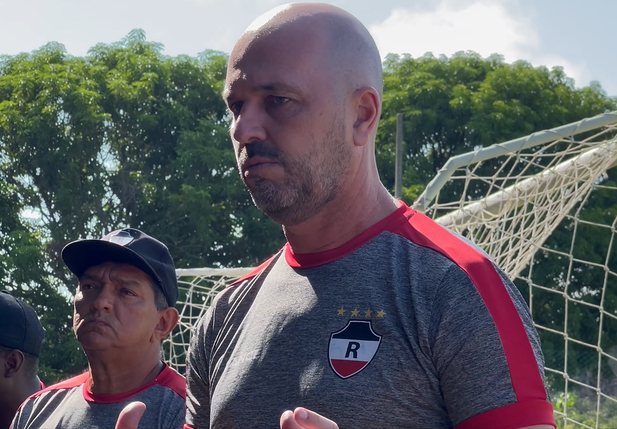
70, 405
405, 326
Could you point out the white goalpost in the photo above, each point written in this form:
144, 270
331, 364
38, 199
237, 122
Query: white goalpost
197, 288
544, 207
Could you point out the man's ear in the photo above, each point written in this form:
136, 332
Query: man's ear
168, 319
13, 362
367, 104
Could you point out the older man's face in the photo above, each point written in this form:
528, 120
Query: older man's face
288, 127
114, 308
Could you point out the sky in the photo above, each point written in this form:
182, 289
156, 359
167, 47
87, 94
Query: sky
577, 35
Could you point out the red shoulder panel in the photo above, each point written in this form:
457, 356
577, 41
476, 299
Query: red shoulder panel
66, 384
518, 415
168, 378
253, 273
526, 378
171, 379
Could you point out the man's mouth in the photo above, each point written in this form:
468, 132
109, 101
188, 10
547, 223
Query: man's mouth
94, 322
255, 163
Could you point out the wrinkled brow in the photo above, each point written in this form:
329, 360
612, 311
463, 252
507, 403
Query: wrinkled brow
121, 280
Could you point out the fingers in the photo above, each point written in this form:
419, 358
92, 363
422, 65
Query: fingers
288, 421
131, 415
301, 418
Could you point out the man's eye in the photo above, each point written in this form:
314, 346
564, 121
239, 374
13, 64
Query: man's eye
86, 286
279, 101
235, 108
128, 292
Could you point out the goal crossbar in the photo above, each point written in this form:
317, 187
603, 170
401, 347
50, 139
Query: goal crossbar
512, 146
580, 168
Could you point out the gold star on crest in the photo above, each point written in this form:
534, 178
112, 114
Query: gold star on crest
341, 311
368, 313
355, 313
381, 313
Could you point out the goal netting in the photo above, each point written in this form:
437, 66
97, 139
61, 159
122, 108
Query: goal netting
196, 290
544, 207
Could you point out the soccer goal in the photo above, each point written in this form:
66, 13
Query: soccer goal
544, 207
196, 290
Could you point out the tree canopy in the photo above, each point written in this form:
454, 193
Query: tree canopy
127, 136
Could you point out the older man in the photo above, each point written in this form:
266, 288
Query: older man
21, 340
371, 315
124, 307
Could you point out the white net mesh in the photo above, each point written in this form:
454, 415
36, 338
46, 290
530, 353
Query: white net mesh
197, 288
544, 207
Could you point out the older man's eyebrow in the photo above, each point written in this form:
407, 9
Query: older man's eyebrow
128, 282
120, 280
88, 277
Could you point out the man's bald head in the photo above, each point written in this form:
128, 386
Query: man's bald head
303, 87
344, 47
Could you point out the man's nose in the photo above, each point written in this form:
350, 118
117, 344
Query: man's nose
104, 300
249, 125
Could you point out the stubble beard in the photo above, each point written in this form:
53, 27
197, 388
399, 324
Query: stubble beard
310, 184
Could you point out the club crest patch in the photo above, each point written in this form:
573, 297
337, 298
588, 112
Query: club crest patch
122, 238
352, 348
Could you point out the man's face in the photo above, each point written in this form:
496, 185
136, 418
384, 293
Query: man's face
288, 128
114, 308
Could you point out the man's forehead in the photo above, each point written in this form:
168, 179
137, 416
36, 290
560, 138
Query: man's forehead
116, 271
271, 60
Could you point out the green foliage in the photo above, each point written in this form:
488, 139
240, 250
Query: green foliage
585, 411
457, 104
128, 137
122, 137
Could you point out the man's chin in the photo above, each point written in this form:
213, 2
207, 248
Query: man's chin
94, 341
283, 215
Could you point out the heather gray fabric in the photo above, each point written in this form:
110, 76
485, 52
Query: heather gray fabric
263, 347
66, 408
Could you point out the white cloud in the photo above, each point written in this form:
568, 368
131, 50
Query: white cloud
483, 26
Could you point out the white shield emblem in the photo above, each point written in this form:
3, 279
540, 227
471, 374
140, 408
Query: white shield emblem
352, 348
122, 238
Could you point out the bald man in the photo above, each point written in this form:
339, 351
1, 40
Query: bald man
372, 315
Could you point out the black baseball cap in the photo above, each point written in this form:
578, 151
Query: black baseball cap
21, 328
130, 246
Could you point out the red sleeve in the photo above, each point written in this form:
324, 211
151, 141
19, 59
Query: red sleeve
532, 406
253, 273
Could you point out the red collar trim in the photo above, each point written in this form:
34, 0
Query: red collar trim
165, 377
310, 260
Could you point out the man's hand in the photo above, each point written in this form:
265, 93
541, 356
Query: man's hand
301, 418
131, 415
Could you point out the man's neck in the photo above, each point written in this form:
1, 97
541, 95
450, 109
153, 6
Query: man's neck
6, 415
110, 375
341, 220
10, 404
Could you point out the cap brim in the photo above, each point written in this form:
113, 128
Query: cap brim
83, 254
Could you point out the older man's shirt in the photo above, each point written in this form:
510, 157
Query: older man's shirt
70, 405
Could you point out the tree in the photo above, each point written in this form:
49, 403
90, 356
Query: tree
452, 105
122, 137
126, 136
